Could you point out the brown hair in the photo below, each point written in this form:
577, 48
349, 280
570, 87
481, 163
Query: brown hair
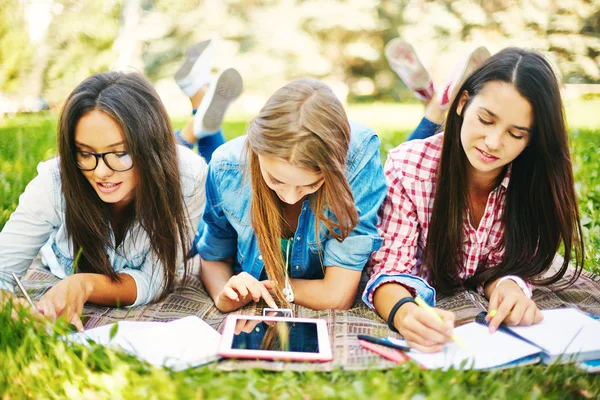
541, 205
134, 105
304, 124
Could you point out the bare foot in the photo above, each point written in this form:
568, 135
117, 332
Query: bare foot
188, 131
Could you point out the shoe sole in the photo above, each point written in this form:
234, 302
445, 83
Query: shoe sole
191, 56
474, 61
417, 81
228, 87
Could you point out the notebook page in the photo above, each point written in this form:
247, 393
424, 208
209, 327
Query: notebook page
101, 334
485, 350
179, 344
561, 327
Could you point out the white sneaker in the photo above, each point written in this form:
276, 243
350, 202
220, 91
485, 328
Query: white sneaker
404, 60
226, 87
459, 75
196, 69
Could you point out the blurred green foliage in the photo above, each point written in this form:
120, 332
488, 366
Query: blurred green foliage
274, 41
80, 43
15, 49
37, 364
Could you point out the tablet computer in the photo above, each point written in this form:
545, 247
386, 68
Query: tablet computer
275, 338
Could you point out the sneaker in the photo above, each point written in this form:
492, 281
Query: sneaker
460, 74
404, 61
196, 69
220, 94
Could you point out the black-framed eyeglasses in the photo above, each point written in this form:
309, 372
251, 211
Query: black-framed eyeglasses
118, 161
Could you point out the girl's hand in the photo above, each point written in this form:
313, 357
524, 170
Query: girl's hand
241, 289
508, 303
18, 303
66, 299
421, 330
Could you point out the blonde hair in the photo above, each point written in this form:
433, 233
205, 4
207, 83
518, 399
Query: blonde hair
304, 124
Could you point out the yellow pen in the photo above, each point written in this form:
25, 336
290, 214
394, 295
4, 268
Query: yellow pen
494, 312
421, 303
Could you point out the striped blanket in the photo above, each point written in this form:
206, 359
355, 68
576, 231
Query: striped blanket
190, 298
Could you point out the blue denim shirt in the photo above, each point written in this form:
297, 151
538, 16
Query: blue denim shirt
37, 225
226, 230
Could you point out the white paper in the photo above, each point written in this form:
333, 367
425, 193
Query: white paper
565, 332
179, 344
101, 334
484, 350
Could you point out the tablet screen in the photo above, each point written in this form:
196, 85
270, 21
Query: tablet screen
276, 336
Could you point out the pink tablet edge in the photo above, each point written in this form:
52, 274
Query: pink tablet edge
325, 352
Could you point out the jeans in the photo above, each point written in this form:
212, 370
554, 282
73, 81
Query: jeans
208, 144
205, 145
425, 129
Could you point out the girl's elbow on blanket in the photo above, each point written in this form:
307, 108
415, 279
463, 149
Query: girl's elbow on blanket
343, 300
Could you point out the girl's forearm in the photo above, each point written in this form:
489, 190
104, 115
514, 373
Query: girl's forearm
386, 296
215, 275
336, 291
489, 287
101, 290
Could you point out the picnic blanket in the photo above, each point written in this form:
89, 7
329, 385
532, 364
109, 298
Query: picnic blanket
190, 298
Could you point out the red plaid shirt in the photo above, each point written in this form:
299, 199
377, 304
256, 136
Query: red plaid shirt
404, 222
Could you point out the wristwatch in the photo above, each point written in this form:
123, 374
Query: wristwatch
520, 283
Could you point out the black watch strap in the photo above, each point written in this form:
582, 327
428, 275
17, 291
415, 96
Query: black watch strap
395, 309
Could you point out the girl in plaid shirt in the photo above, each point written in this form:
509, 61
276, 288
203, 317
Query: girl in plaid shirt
485, 205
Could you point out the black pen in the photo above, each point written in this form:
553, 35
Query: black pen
383, 341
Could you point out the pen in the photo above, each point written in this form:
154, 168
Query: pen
421, 303
480, 319
22, 289
391, 354
383, 341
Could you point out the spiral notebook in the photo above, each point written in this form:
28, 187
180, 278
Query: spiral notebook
564, 335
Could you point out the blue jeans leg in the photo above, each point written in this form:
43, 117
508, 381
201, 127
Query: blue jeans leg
425, 129
208, 144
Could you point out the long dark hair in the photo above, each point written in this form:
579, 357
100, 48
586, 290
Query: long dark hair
541, 205
130, 100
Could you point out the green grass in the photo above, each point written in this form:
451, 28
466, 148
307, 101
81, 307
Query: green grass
35, 364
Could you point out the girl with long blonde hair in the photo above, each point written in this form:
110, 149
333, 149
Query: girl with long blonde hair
292, 205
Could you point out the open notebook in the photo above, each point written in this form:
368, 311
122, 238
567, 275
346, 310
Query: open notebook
180, 344
565, 335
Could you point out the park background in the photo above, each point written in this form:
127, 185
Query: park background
48, 47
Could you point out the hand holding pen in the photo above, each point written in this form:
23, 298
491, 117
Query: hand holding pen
24, 293
421, 303
425, 329
19, 302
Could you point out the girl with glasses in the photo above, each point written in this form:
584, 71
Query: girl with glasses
114, 214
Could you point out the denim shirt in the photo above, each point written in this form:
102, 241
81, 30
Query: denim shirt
226, 230
37, 225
